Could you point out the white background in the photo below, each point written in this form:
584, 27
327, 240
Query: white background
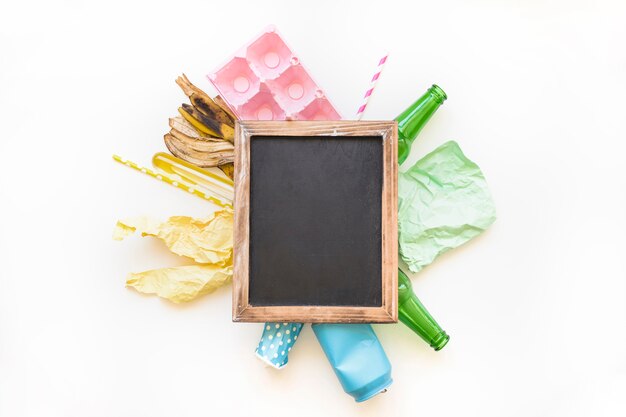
535, 306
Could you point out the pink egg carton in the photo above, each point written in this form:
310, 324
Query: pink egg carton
264, 80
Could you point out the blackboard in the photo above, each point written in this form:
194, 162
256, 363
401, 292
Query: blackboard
315, 203
319, 249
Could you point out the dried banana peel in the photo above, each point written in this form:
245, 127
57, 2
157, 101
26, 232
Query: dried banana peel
203, 145
203, 159
205, 104
210, 109
181, 125
199, 121
228, 169
211, 126
220, 102
205, 133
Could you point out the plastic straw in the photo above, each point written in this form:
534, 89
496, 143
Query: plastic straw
370, 90
162, 176
193, 175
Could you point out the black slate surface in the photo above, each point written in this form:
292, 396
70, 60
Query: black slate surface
315, 221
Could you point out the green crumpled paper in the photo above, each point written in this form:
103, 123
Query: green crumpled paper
443, 202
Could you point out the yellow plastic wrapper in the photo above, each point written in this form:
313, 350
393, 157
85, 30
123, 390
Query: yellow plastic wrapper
207, 241
181, 284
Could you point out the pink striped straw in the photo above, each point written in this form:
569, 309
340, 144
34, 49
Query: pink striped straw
370, 90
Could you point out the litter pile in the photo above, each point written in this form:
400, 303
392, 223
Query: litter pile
444, 202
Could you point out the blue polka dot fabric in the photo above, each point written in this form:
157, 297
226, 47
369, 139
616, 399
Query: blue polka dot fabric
276, 343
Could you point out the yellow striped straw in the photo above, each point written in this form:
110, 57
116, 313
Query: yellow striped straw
161, 176
193, 175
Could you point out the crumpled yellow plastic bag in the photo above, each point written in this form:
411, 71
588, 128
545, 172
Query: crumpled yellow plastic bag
207, 241
181, 284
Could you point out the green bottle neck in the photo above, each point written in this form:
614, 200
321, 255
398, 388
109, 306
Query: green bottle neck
414, 315
413, 119
405, 288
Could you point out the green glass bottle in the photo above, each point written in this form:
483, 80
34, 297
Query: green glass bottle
413, 119
413, 314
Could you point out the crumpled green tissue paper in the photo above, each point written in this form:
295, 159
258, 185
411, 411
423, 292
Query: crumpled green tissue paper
443, 201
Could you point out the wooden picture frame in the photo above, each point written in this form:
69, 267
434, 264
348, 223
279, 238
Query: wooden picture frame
387, 312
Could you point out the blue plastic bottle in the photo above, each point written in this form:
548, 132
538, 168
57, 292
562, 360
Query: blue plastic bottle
357, 357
